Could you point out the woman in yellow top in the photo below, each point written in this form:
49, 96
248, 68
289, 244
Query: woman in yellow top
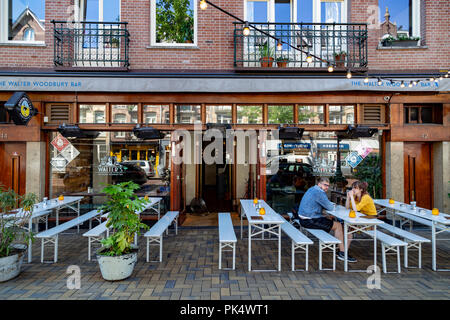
360, 199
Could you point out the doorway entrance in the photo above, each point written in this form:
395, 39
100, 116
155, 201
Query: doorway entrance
13, 166
418, 174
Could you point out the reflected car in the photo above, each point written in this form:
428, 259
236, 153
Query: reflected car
286, 173
146, 165
131, 172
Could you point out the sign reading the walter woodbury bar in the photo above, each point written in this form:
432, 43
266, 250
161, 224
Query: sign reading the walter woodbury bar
20, 108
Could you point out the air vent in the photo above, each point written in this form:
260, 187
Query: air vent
59, 113
373, 114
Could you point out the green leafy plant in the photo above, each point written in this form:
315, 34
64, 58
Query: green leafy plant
12, 229
282, 58
122, 204
340, 53
402, 37
369, 170
266, 50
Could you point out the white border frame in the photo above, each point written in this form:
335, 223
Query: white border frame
153, 42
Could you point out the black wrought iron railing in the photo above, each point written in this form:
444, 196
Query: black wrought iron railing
91, 44
344, 45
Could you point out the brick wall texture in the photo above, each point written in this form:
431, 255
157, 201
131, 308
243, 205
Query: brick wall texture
215, 39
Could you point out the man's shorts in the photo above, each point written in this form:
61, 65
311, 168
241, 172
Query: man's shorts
317, 223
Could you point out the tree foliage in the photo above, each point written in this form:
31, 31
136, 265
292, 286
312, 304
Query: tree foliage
174, 21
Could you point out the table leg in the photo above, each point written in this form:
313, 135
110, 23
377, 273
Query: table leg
279, 247
375, 246
30, 223
433, 245
345, 247
249, 247
78, 213
241, 225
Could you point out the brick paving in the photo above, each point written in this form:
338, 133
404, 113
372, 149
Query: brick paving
189, 271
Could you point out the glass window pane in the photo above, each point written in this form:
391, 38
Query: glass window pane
111, 10
399, 11
281, 114
124, 113
156, 114
26, 20
249, 114
426, 115
175, 21
304, 10
218, 114
257, 11
331, 11
188, 114
92, 113
310, 114
342, 114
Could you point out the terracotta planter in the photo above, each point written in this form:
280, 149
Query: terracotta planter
266, 62
340, 60
282, 64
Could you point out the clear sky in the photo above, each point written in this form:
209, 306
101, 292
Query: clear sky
37, 6
399, 11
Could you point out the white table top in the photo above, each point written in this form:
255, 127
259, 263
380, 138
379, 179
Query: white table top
419, 212
271, 217
342, 213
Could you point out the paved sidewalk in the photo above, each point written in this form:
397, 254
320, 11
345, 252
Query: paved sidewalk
189, 270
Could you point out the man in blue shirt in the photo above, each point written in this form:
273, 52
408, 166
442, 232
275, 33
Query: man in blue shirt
310, 213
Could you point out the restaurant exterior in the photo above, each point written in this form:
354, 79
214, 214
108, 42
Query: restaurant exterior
120, 103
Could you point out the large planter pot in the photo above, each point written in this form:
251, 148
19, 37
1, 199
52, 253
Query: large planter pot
10, 266
117, 268
266, 62
400, 43
339, 60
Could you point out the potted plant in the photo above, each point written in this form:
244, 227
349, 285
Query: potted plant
13, 236
266, 55
401, 41
339, 59
118, 256
282, 61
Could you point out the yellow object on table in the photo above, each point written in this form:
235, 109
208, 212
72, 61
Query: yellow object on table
255, 201
352, 214
262, 211
146, 197
61, 198
435, 212
391, 201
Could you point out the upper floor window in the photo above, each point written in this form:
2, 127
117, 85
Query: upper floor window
405, 14
22, 21
426, 113
173, 22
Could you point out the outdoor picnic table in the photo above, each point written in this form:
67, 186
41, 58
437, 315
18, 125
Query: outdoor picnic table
442, 220
361, 223
259, 224
45, 208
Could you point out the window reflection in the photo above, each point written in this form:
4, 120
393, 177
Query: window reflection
249, 114
124, 113
188, 114
281, 114
156, 114
92, 113
218, 114
341, 114
310, 114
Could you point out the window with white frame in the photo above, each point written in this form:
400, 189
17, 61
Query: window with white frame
173, 23
404, 13
22, 21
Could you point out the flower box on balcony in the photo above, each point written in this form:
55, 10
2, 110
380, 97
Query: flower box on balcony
401, 41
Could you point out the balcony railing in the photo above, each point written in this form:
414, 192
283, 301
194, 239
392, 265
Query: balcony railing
91, 45
324, 40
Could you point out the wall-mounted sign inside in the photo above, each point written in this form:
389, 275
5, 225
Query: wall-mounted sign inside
20, 108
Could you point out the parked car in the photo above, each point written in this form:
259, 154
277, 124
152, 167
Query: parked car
273, 163
284, 177
146, 165
131, 172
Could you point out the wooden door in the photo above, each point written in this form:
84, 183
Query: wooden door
13, 166
418, 174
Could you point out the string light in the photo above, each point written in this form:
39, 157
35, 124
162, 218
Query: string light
410, 84
203, 5
349, 74
309, 59
330, 68
432, 79
279, 46
366, 79
402, 85
446, 75
379, 82
415, 82
246, 30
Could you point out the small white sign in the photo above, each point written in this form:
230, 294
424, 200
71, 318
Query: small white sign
59, 163
70, 153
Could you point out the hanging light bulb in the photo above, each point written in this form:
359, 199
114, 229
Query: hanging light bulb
349, 74
246, 30
432, 79
309, 59
279, 46
366, 79
410, 84
203, 4
446, 75
379, 82
415, 82
436, 79
402, 85
330, 68
441, 77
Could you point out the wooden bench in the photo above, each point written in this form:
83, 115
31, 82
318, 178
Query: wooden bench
326, 241
388, 243
227, 237
412, 240
51, 235
155, 234
298, 241
95, 235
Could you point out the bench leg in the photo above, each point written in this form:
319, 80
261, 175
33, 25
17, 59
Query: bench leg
55, 258
148, 244
42, 250
306, 258
89, 248
234, 255
220, 255
334, 257
383, 256
420, 255
292, 255
320, 255
398, 259
406, 256
160, 248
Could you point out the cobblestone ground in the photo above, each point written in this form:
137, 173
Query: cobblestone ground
189, 270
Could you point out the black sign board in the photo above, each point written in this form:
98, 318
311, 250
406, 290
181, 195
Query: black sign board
20, 108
